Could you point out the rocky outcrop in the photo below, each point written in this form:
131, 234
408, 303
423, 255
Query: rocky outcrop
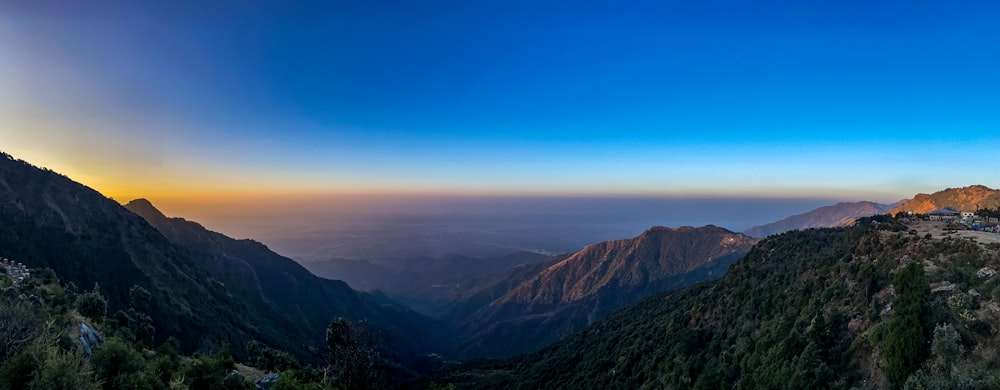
89, 338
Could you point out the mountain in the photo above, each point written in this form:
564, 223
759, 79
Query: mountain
969, 198
209, 291
295, 301
47, 220
536, 304
865, 306
840, 214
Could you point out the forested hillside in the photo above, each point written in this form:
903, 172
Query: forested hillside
868, 306
537, 304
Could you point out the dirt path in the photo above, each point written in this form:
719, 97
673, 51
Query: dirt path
937, 231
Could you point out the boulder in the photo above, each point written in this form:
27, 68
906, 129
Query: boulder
267, 381
90, 338
234, 380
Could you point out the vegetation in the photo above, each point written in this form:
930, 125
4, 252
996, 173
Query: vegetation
39, 350
821, 308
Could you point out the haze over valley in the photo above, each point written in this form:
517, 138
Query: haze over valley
401, 228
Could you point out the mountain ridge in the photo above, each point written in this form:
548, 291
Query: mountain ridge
840, 214
969, 198
539, 303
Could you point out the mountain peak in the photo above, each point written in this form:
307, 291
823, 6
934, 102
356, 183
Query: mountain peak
144, 207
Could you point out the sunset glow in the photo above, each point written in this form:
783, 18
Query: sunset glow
189, 104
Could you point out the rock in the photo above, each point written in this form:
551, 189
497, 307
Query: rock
234, 380
90, 338
10, 292
36, 301
942, 287
985, 272
887, 309
267, 381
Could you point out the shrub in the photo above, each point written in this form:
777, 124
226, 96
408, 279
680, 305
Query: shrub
115, 358
92, 304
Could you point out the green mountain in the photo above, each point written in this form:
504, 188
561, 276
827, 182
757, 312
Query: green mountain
536, 304
205, 289
867, 306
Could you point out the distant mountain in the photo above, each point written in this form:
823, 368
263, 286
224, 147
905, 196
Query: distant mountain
295, 301
206, 289
969, 198
536, 304
840, 214
426, 283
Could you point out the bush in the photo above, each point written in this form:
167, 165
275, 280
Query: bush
64, 370
115, 359
92, 304
20, 325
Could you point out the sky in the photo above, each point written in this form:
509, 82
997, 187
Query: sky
197, 103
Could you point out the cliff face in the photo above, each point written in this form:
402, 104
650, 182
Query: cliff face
969, 198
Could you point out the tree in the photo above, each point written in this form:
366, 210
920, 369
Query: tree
905, 344
19, 326
115, 359
354, 356
945, 348
92, 304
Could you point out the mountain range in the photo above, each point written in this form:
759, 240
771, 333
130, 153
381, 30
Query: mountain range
207, 289
868, 303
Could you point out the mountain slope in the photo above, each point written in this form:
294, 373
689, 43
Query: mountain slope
539, 303
969, 198
218, 291
47, 220
840, 214
293, 299
820, 308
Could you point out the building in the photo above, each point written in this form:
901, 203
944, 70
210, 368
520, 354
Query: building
944, 215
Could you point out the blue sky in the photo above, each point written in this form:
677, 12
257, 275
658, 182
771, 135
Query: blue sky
848, 99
